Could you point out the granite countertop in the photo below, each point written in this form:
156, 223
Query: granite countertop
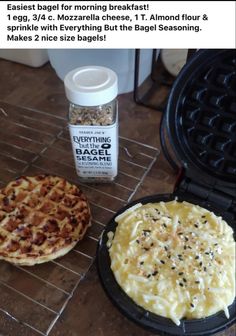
64, 297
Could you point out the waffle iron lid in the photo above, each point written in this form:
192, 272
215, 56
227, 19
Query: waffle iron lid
201, 116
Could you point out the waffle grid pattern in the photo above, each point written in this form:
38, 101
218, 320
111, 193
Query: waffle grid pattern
209, 118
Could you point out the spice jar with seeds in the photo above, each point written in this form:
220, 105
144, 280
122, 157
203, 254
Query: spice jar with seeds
93, 122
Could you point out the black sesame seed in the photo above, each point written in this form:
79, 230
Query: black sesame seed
186, 239
180, 257
192, 305
181, 273
148, 276
205, 222
152, 245
180, 233
205, 269
197, 257
169, 256
200, 264
185, 247
146, 249
162, 261
184, 280
181, 284
173, 267
166, 248
190, 247
155, 273
146, 232
207, 253
137, 241
197, 282
141, 262
165, 225
196, 226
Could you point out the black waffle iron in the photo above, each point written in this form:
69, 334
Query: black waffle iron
201, 124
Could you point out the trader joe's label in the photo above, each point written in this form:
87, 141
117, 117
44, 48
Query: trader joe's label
95, 150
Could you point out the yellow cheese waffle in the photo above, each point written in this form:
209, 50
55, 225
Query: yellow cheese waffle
174, 259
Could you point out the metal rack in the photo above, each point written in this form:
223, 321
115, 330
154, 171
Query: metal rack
34, 298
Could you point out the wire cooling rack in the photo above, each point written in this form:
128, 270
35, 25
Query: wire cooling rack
34, 142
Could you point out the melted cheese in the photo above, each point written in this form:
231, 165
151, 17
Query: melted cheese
174, 259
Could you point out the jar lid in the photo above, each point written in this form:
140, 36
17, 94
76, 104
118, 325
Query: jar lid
91, 85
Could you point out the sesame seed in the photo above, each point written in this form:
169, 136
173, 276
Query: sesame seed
205, 269
181, 273
148, 276
196, 226
197, 257
173, 267
141, 262
164, 225
181, 284
200, 264
184, 280
137, 241
197, 282
166, 248
155, 273
146, 232
192, 305
162, 261
186, 239
185, 247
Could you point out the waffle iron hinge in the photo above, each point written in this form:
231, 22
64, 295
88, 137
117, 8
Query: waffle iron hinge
207, 193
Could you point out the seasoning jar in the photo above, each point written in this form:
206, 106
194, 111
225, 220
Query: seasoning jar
93, 122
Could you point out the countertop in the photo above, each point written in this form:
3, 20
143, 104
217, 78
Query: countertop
64, 297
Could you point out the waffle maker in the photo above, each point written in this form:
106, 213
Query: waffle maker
201, 124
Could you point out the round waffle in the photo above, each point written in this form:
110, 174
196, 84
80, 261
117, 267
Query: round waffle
175, 259
41, 218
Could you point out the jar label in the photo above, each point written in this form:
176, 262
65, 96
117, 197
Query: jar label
95, 150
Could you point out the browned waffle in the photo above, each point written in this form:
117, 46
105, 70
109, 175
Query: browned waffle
41, 218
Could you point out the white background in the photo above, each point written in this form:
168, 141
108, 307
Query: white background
217, 32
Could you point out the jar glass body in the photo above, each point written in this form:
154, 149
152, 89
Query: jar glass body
102, 115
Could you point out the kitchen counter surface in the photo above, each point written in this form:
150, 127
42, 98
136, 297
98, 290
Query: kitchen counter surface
64, 297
